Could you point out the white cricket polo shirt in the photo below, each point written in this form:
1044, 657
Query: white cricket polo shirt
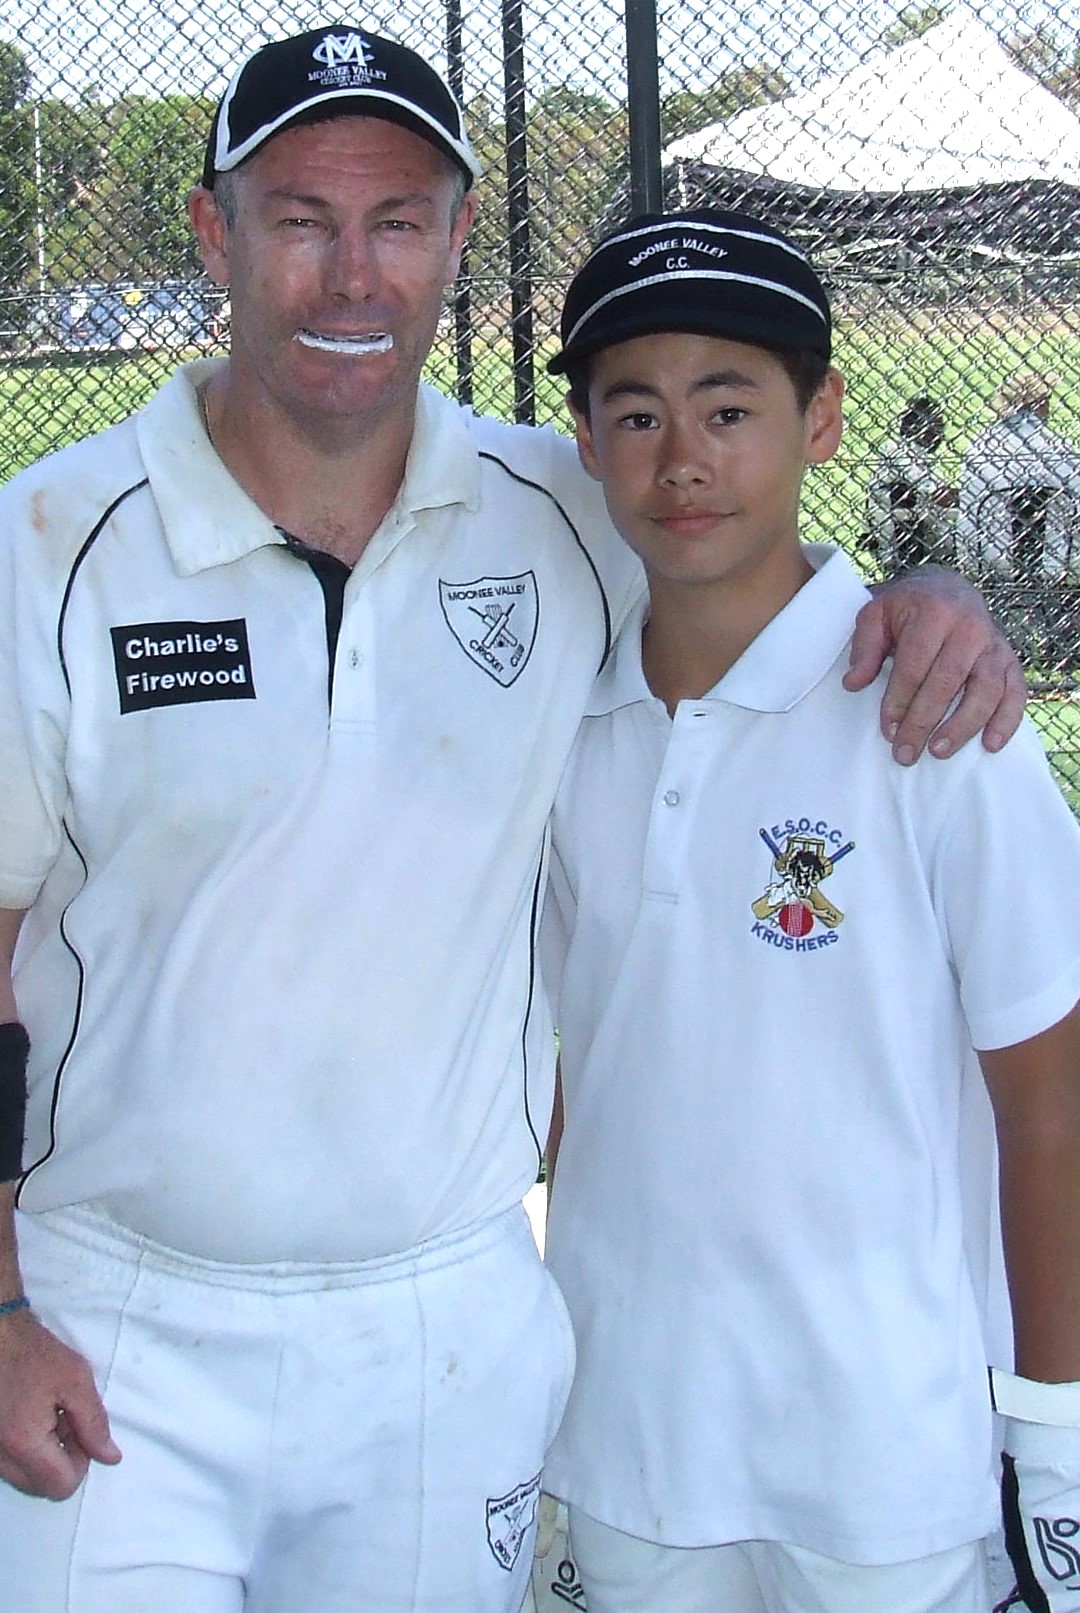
757, 1218
279, 972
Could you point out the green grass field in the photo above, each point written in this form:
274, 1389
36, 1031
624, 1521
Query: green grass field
961, 368
47, 402
1059, 723
46, 405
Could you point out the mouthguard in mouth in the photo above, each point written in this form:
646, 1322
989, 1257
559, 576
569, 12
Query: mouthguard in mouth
376, 341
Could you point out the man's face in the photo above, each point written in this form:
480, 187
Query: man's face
346, 233
701, 445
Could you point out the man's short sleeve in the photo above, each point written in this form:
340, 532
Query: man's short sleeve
33, 708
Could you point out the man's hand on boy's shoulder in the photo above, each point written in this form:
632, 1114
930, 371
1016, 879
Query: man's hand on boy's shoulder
937, 629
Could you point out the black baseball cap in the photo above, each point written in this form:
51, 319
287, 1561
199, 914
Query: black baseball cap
704, 272
327, 71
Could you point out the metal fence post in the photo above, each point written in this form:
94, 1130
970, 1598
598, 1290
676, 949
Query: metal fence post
462, 301
517, 206
643, 93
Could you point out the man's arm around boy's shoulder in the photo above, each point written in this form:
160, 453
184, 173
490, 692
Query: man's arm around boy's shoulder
944, 643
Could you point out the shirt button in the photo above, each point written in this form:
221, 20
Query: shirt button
671, 798
355, 658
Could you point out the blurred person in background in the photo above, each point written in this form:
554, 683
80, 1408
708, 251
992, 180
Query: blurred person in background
909, 508
1018, 527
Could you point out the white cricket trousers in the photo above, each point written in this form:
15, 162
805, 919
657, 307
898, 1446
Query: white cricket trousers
622, 1574
296, 1439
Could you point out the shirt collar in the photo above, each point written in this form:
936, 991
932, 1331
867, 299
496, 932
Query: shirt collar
220, 523
621, 681
789, 657
443, 467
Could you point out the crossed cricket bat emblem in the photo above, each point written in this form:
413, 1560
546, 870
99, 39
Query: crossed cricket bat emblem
802, 862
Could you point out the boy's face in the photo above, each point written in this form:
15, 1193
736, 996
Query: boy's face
701, 446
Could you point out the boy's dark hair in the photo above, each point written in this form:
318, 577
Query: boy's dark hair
805, 370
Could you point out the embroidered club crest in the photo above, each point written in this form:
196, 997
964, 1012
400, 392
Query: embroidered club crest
509, 1519
345, 61
793, 905
494, 620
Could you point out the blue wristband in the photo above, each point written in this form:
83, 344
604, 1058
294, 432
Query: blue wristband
11, 1305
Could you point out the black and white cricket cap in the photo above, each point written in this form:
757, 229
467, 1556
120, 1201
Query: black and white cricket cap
329, 71
704, 272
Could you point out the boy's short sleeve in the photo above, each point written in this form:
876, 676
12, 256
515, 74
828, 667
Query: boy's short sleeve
1006, 873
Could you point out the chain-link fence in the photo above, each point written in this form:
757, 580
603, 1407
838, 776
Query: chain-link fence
929, 158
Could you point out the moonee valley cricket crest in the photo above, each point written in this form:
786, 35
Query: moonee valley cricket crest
509, 1519
494, 620
793, 912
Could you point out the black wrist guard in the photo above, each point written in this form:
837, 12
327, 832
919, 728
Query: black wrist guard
14, 1052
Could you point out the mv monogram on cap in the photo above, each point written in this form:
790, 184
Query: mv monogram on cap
327, 71
705, 272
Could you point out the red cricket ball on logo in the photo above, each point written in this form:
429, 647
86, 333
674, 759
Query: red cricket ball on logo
796, 918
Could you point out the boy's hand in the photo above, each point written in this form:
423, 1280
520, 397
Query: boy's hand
555, 1584
547, 1523
1040, 1504
1040, 1489
943, 641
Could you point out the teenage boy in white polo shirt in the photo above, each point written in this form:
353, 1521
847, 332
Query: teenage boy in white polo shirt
774, 954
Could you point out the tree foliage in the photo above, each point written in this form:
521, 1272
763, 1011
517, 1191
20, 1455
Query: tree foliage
912, 22
74, 148
17, 187
155, 156
94, 191
1047, 56
747, 84
51, 154
15, 77
575, 143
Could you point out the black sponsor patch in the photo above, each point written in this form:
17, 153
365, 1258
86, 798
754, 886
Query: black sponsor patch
177, 663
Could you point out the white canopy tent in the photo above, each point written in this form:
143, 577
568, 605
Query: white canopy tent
949, 109
939, 150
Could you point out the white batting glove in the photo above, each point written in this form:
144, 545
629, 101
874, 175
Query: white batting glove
547, 1524
1040, 1489
555, 1583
